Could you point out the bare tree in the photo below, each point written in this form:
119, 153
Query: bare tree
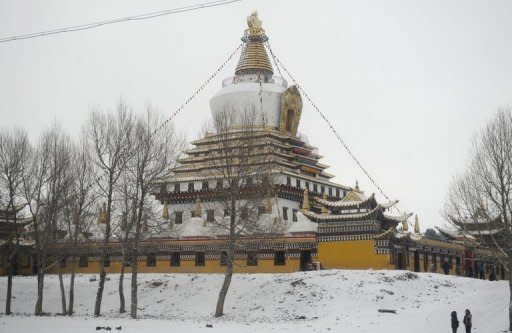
45, 187
78, 213
109, 139
155, 152
15, 151
484, 192
244, 171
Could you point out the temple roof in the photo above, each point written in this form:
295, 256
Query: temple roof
351, 200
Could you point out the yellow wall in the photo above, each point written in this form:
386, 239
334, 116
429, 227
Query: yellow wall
352, 254
265, 265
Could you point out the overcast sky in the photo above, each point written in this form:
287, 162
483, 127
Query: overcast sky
406, 83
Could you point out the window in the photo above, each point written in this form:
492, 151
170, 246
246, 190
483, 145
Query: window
193, 213
297, 183
226, 212
248, 181
199, 258
252, 259
294, 215
151, 260
315, 188
223, 258
330, 191
175, 259
279, 258
210, 215
178, 218
128, 261
62, 262
219, 184
83, 261
244, 213
190, 187
337, 192
285, 213
106, 261
205, 186
261, 210
307, 186
322, 189
288, 180
177, 187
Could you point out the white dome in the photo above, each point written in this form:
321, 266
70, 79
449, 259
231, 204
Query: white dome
244, 97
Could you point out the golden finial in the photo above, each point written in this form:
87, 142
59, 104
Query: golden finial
102, 215
165, 211
254, 58
405, 225
305, 200
268, 204
254, 23
197, 210
416, 225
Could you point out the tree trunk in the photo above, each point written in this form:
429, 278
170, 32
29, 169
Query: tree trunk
72, 286
122, 303
9, 289
510, 292
219, 310
101, 286
40, 285
62, 291
134, 299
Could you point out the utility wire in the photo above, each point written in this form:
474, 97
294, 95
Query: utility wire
137, 17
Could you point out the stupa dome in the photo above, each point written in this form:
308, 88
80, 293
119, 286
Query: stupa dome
253, 92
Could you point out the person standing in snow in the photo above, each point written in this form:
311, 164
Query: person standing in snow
467, 321
455, 322
446, 267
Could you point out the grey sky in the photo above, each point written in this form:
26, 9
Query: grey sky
406, 83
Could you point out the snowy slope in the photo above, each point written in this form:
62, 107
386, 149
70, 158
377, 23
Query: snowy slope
321, 301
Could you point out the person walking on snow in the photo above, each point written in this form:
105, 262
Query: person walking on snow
455, 322
467, 321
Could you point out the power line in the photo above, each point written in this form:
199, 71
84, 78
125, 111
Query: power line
138, 17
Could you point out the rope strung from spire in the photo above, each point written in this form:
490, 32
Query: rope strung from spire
131, 153
198, 90
278, 64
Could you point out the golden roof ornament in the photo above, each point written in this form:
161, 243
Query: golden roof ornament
254, 58
102, 216
197, 209
305, 200
165, 211
268, 204
416, 225
253, 22
405, 225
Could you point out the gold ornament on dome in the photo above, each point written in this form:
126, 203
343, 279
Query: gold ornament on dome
291, 110
253, 22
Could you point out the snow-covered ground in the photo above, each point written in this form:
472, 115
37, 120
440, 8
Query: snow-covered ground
320, 301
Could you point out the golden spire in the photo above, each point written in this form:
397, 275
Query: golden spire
165, 211
102, 216
416, 225
197, 210
305, 200
268, 204
254, 58
405, 225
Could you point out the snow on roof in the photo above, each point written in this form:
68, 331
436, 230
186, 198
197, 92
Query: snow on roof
195, 227
303, 224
